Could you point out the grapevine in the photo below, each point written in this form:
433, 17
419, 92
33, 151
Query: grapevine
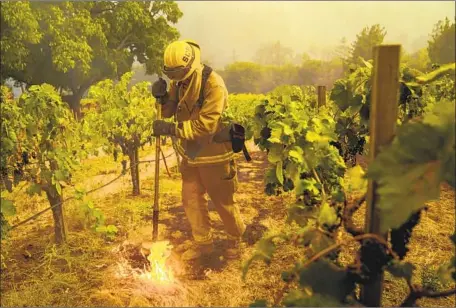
122, 121
283, 126
351, 96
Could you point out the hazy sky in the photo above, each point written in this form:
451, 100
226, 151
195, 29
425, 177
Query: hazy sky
306, 26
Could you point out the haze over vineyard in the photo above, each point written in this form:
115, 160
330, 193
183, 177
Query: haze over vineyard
313, 27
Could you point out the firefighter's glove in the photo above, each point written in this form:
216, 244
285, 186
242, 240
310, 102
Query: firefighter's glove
163, 128
159, 90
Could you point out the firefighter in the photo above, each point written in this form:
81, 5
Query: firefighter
196, 98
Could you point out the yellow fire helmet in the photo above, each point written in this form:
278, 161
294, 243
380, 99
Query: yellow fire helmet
181, 59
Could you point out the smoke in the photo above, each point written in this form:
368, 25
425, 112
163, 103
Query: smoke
234, 30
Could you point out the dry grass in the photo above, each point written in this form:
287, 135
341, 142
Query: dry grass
85, 271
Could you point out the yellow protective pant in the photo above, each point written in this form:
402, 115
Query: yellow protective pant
220, 183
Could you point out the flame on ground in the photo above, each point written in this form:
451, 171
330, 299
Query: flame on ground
156, 281
158, 271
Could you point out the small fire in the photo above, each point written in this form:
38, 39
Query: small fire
158, 270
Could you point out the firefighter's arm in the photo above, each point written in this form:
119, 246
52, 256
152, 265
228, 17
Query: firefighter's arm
169, 106
209, 116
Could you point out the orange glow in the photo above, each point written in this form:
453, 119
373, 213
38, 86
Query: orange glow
158, 271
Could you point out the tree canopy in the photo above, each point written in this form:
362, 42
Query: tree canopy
273, 54
73, 45
441, 46
365, 42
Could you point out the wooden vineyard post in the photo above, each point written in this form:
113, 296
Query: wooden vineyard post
321, 93
156, 210
383, 115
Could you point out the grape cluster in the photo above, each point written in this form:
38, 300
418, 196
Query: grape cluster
265, 133
18, 171
359, 147
25, 158
373, 257
400, 237
352, 150
272, 189
405, 93
288, 185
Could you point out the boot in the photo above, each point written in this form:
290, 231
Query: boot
197, 251
233, 250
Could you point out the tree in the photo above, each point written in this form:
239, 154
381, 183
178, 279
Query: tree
343, 54
122, 118
243, 77
343, 50
274, 54
441, 46
317, 72
80, 43
365, 41
18, 29
418, 60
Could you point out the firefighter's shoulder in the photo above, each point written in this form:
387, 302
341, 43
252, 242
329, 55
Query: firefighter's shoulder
215, 81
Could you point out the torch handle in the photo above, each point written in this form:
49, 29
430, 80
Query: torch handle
156, 210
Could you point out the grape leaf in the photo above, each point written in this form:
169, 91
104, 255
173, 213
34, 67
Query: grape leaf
327, 215
7, 207
276, 132
443, 70
293, 170
355, 180
34, 189
326, 278
296, 153
275, 153
59, 175
111, 229
58, 188
271, 176
312, 136
307, 235
279, 171
300, 214
409, 172
320, 241
298, 298
265, 248
101, 229
340, 95
309, 185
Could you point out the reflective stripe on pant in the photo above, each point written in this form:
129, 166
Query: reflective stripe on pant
220, 183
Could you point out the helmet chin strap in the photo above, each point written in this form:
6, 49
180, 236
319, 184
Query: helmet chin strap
186, 82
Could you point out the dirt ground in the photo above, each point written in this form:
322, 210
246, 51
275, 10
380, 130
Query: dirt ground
92, 270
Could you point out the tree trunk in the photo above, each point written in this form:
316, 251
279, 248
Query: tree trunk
57, 212
137, 170
75, 103
134, 170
